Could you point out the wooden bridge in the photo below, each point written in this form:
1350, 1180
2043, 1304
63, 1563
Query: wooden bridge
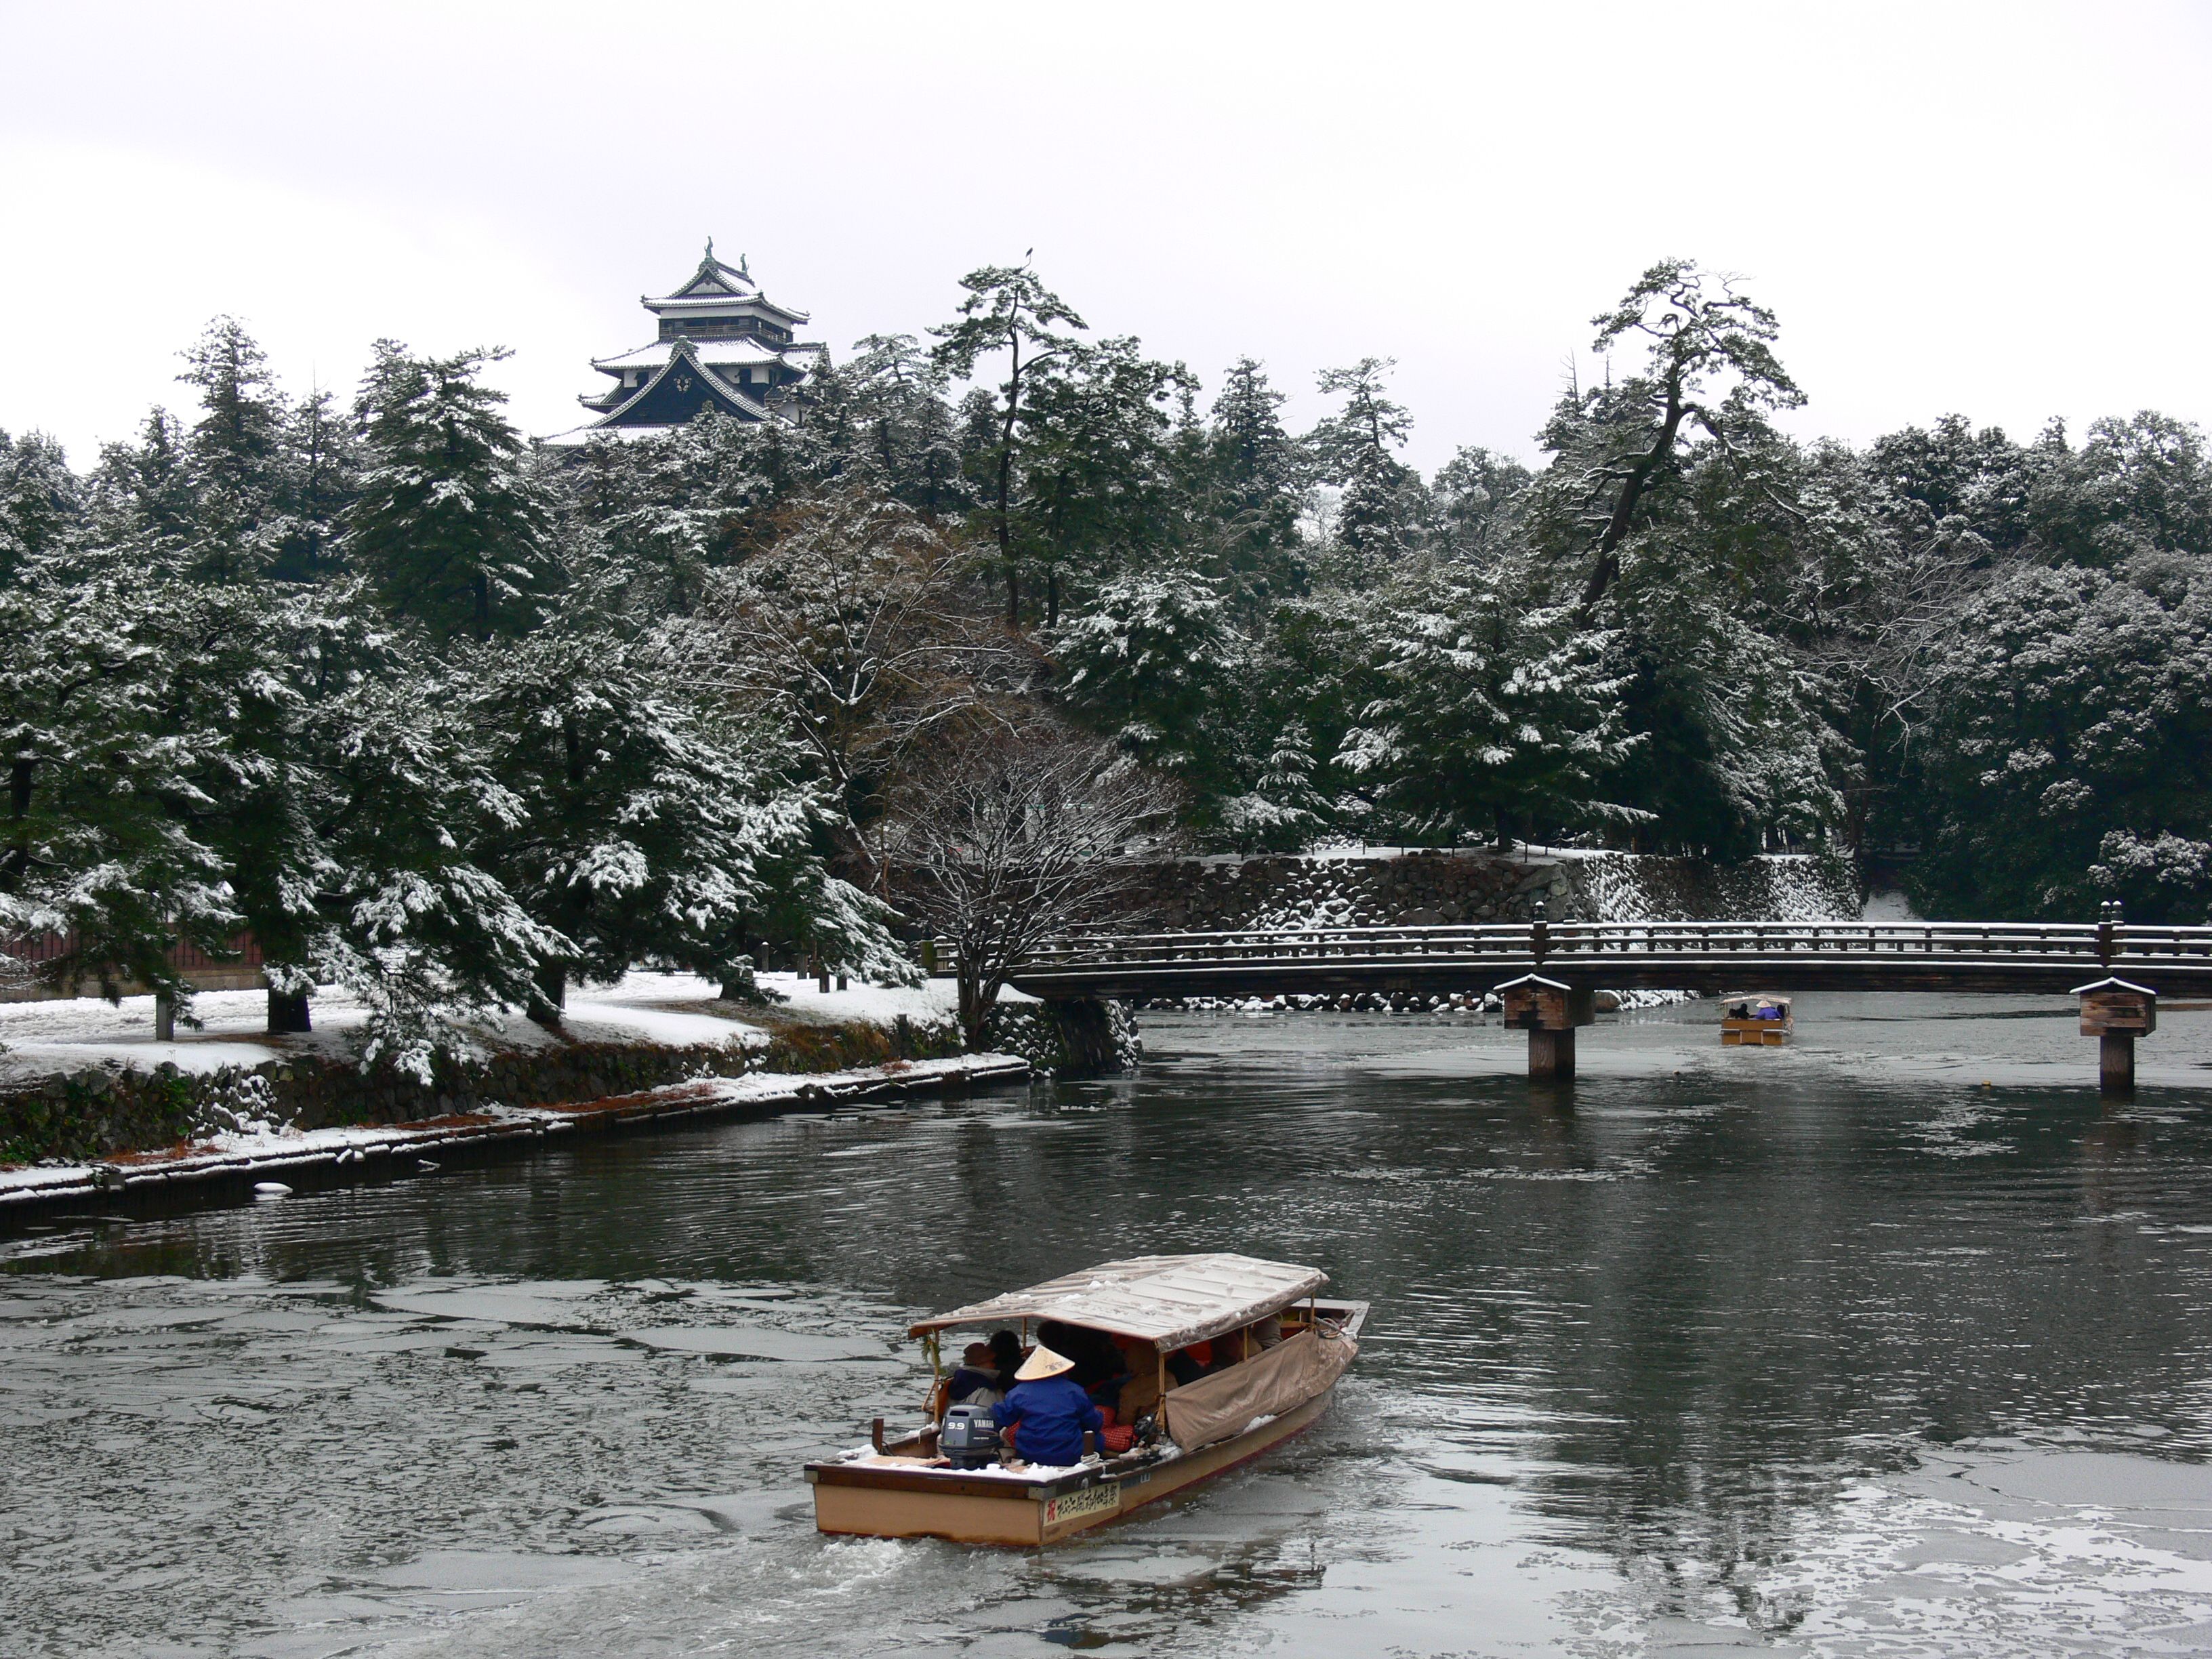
1569, 960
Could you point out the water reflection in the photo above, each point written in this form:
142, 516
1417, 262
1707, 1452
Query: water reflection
1696, 1351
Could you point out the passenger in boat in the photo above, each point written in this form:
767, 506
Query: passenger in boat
1005, 1357
1096, 1362
1188, 1364
976, 1380
1049, 1410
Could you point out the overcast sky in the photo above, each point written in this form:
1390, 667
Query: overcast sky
1999, 209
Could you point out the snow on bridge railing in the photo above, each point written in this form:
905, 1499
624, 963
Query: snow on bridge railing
1683, 940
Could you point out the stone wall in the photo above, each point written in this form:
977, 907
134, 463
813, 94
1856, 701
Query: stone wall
1079, 1036
1434, 888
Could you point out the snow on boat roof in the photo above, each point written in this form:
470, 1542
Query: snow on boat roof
1170, 1301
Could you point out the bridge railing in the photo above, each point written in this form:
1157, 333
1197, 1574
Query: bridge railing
1644, 941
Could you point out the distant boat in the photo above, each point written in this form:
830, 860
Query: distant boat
1261, 1351
1753, 1020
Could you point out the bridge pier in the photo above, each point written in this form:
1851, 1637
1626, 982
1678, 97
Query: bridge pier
1549, 1012
2116, 1065
2116, 1013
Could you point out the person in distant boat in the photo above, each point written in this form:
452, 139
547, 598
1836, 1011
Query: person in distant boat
976, 1380
1005, 1357
1049, 1410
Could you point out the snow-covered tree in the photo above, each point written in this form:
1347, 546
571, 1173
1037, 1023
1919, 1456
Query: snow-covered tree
1379, 511
41, 502
1493, 709
644, 830
1098, 472
1151, 660
94, 843
1010, 317
858, 632
2070, 755
450, 521
1283, 810
233, 458
1243, 492
903, 434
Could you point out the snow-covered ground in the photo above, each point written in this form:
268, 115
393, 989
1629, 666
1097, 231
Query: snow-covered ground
679, 1010
270, 1149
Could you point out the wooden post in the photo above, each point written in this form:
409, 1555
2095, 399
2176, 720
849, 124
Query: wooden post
2116, 1013
165, 1018
2116, 1065
1549, 1012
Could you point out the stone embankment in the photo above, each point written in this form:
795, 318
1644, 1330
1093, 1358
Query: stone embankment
1435, 889
91, 1103
264, 1150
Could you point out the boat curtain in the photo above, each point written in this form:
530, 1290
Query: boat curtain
1272, 1382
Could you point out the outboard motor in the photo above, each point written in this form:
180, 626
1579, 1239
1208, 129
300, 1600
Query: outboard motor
970, 1438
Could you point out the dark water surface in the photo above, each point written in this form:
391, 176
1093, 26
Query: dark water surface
1832, 1350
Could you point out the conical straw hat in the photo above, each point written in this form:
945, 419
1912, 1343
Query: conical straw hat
1043, 1362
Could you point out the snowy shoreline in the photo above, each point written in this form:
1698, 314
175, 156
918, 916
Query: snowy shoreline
236, 1156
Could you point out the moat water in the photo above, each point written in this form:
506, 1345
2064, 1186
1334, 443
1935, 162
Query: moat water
1895, 1342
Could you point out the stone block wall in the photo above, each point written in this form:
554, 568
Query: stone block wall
1437, 888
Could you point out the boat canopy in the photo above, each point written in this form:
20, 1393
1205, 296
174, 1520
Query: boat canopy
1170, 1301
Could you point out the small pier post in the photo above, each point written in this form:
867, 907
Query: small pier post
1549, 1012
2116, 1065
2116, 1013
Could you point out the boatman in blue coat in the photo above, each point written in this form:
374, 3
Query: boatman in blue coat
1051, 1410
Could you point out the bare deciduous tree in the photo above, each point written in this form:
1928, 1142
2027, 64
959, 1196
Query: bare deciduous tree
1013, 836
858, 631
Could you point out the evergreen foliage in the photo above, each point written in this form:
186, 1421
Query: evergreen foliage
456, 722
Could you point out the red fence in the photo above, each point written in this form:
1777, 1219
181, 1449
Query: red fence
238, 968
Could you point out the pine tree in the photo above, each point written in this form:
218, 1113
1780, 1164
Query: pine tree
1491, 709
1151, 660
642, 830
233, 458
450, 521
1378, 514
1243, 492
1008, 314
41, 503
95, 843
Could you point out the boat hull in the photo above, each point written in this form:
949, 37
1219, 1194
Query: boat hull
871, 1501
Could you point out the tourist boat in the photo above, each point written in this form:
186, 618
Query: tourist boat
1755, 1021
1271, 1350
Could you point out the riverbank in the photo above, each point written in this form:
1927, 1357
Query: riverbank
84, 1084
260, 1157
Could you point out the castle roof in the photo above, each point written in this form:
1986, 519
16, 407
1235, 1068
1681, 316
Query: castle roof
729, 354
681, 376
715, 287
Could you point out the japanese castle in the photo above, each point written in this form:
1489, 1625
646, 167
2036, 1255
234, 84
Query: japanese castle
722, 344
